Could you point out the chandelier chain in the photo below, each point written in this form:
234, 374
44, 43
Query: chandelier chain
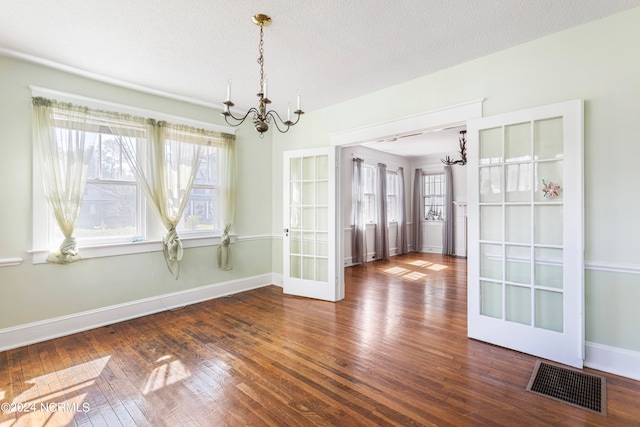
261, 58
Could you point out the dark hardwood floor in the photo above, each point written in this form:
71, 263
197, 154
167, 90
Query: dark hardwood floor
394, 352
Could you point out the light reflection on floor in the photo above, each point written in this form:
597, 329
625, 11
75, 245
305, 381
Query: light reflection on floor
414, 275
53, 399
168, 372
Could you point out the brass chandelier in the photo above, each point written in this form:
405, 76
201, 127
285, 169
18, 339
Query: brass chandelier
261, 117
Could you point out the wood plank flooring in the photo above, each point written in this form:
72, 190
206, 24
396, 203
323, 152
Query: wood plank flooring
394, 352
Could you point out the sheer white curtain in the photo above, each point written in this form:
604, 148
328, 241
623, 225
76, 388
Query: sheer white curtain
401, 240
64, 151
382, 224
228, 199
357, 196
447, 226
165, 169
416, 210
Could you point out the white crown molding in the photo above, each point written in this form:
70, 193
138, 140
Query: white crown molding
104, 79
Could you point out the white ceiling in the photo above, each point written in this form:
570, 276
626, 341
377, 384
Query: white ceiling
331, 50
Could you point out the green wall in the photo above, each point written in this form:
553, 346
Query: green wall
30, 293
597, 62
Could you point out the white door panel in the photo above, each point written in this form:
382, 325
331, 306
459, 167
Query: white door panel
526, 261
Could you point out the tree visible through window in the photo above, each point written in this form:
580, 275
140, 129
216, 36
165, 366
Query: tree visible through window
202, 212
110, 207
434, 192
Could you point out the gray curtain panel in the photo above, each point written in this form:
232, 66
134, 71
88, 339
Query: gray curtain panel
401, 241
382, 225
416, 211
447, 226
357, 195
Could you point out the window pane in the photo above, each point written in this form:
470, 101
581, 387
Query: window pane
208, 170
108, 210
433, 197
201, 212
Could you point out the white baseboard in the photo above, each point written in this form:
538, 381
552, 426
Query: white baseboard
613, 360
277, 279
31, 333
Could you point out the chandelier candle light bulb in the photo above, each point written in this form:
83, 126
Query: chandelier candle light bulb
261, 117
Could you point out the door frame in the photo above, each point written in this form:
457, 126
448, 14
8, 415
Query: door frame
455, 115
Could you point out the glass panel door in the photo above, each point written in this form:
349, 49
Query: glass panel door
309, 224
525, 255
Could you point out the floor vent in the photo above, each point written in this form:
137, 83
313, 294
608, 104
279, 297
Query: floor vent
570, 386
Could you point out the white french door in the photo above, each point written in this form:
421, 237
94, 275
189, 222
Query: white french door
526, 203
309, 263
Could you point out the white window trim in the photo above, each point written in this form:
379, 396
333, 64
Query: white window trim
41, 212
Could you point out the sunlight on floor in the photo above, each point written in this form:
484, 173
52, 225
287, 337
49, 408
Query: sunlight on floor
437, 267
398, 271
413, 276
56, 397
419, 263
169, 372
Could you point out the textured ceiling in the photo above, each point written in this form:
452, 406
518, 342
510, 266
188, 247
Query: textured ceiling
331, 50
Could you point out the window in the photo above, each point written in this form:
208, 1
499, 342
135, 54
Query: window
111, 206
116, 212
433, 197
369, 207
202, 213
392, 196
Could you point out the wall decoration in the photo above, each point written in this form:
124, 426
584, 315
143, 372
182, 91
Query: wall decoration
550, 190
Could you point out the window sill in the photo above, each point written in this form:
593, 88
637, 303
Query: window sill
128, 248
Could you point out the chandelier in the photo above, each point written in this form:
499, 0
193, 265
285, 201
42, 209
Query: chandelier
261, 117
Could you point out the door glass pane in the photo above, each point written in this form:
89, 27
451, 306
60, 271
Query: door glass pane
548, 142
548, 228
491, 261
518, 304
308, 243
549, 181
322, 269
322, 244
549, 269
518, 182
491, 184
295, 219
295, 269
549, 310
518, 264
322, 220
308, 193
308, 220
491, 299
322, 167
517, 142
295, 169
491, 146
491, 223
308, 168
295, 242
308, 268
322, 192
295, 197
518, 224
